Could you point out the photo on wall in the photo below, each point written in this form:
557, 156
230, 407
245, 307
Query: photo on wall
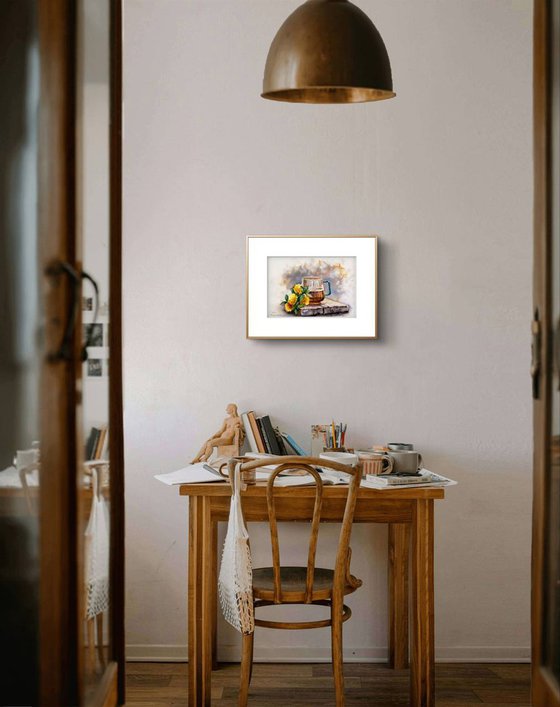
94, 367
311, 287
93, 334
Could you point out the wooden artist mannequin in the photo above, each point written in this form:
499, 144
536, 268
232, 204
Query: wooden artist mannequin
230, 435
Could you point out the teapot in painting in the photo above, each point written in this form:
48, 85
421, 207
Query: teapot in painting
316, 288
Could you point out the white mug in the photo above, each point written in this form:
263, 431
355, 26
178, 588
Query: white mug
407, 462
26, 457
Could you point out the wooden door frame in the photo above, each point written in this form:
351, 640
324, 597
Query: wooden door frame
60, 588
117, 569
545, 689
58, 642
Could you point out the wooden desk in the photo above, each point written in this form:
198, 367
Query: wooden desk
410, 516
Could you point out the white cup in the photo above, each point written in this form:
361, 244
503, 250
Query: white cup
407, 462
26, 457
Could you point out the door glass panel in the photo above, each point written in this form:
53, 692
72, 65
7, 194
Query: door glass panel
20, 355
552, 569
93, 233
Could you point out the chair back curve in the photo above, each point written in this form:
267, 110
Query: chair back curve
309, 464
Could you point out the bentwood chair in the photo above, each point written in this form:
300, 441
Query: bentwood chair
305, 585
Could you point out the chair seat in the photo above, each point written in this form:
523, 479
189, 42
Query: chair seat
293, 581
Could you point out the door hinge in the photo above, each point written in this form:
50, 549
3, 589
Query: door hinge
557, 354
536, 354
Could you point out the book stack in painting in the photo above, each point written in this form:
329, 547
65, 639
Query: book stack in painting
264, 438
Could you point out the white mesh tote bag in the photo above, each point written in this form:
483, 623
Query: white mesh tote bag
236, 573
96, 551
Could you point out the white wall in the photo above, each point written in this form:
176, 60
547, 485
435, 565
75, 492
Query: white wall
94, 172
443, 174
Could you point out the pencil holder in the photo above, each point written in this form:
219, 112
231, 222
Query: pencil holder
334, 449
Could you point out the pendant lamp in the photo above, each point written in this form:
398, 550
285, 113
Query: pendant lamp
328, 51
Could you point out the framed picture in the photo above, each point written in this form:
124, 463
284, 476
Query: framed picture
311, 287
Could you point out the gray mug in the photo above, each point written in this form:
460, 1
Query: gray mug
406, 461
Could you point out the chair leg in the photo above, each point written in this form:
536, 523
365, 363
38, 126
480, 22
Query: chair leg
337, 663
100, 647
246, 668
90, 623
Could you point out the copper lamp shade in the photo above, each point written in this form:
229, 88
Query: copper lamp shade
327, 51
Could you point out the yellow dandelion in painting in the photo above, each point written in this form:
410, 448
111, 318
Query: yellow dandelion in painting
292, 299
298, 289
305, 300
288, 307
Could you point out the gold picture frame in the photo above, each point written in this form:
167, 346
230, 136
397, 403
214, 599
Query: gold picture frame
300, 262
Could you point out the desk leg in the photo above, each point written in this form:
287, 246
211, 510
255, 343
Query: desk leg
422, 654
399, 538
199, 608
214, 590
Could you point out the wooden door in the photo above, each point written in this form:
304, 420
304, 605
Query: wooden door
546, 359
45, 487
98, 376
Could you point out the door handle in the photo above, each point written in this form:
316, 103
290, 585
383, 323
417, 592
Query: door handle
64, 351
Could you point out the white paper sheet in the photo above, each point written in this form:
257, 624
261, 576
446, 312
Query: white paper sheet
192, 474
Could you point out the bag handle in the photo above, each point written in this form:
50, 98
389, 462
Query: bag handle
234, 476
95, 483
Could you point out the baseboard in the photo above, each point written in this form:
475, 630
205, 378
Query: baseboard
230, 653
153, 653
483, 654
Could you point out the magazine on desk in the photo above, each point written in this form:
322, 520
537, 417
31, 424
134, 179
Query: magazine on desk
425, 479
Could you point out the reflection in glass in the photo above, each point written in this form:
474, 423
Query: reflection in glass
93, 223
20, 356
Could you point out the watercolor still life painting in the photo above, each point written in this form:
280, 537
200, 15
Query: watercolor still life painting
309, 287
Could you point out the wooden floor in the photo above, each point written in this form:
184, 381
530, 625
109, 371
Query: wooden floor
304, 685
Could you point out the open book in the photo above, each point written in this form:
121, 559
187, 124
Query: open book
329, 478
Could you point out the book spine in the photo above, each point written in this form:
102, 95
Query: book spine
263, 436
100, 443
105, 450
256, 432
393, 481
294, 445
280, 440
92, 443
249, 432
87, 449
270, 436
291, 450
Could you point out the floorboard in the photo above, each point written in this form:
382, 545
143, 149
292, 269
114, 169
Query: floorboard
305, 685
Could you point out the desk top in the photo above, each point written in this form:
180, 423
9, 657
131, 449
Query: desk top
258, 490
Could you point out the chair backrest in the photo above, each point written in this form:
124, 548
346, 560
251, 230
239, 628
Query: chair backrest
308, 465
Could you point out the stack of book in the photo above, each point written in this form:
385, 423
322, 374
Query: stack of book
392, 481
263, 437
97, 443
